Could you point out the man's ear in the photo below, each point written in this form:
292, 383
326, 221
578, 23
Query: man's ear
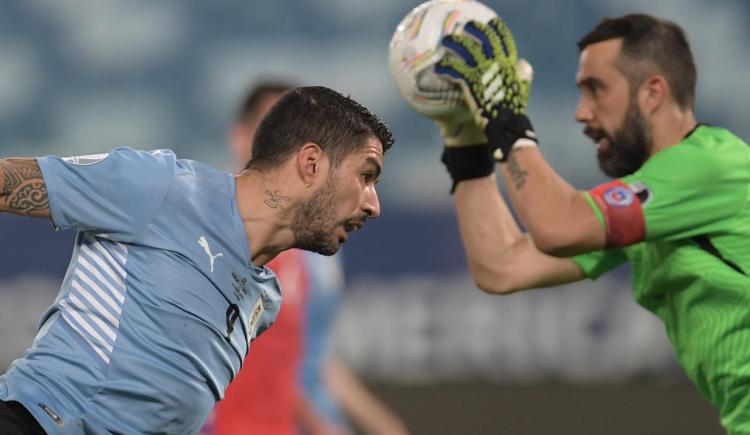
310, 163
653, 93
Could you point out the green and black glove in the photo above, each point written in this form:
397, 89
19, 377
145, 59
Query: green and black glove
483, 60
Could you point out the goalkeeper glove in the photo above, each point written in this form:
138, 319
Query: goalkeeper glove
466, 154
496, 84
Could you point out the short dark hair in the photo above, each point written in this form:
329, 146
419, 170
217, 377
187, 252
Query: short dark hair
316, 114
660, 42
248, 109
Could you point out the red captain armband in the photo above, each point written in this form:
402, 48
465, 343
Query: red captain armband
622, 211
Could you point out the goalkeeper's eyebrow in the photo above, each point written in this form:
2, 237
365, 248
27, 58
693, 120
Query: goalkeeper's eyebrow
590, 83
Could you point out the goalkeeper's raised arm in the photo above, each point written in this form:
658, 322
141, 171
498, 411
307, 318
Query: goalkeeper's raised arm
483, 59
501, 258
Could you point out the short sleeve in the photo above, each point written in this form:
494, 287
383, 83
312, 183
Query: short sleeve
686, 190
114, 194
595, 264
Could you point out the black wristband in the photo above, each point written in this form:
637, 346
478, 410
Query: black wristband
469, 162
503, 131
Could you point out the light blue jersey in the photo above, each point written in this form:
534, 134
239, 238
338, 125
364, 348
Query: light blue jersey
159, 303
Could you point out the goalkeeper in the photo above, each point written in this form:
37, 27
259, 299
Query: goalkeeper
677, 209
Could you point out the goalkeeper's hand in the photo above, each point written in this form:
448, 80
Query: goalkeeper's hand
484, 61
467, 154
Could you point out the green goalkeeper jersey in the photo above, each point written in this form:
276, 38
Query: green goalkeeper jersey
683, 222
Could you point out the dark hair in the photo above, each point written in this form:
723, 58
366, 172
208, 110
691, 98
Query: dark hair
660, 42
316, 114
248, 109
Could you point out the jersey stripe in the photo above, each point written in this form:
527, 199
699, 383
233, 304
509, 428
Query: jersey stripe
89, 270
99, 247
93, 302
72, 320
93, 305
94, 322
119, 252
79, 323
101, 291
103, 266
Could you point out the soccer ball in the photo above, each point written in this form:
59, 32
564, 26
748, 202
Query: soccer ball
415, 49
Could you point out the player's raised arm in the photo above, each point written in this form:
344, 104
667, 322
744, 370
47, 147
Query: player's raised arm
23, 191
557, 215
501, 258
483, 59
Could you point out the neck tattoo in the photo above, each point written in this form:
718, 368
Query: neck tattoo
275, 199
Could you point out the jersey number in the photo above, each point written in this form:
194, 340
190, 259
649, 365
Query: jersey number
233, 312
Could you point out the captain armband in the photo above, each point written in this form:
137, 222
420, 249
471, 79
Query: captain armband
621, 207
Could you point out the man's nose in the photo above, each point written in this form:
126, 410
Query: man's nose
372, 203
583, 112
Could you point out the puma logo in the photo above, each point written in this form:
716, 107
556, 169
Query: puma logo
204, 244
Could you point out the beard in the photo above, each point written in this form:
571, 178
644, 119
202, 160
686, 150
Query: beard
315, 223
628, 148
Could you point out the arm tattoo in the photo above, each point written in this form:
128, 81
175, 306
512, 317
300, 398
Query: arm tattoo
275, 199
22, 188
517, 174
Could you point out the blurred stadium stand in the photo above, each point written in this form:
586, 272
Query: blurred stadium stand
84, 76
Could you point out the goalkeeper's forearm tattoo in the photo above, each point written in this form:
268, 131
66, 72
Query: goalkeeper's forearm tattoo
517, 174
22, 188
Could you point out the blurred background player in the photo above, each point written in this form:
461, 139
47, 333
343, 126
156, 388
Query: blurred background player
291, 382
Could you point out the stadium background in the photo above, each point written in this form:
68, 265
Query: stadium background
84, 76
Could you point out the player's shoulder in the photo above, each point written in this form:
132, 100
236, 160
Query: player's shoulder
714, 146
712, 138
123, 164
146, 167
163, 156
201, 175
164, 167
705, 155
121, 157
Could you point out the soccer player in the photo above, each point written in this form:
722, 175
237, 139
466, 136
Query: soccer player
291, 381
167, 285
677, 210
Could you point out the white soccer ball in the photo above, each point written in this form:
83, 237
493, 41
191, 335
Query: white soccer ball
415, 49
